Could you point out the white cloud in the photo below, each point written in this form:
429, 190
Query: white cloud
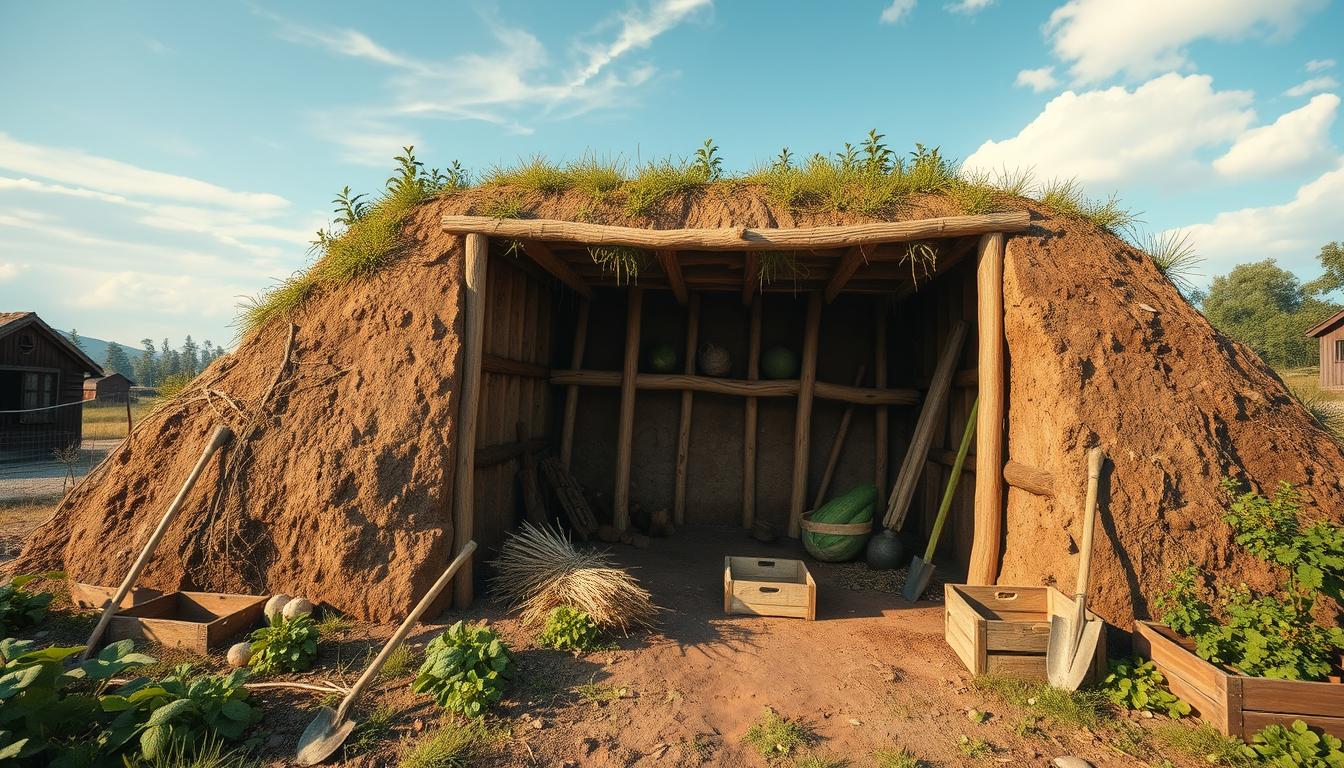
1103, 38
1291, 232
1312, 85
1297, 140
1038, 80
897, 11
1320, 65
8, 271
969, 6
1115, 135
75, 167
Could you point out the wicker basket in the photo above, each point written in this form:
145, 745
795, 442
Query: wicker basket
860, 532
714, 360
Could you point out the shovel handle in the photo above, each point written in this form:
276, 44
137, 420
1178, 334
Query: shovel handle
953, 477
222, 436
1094, 461
403, 631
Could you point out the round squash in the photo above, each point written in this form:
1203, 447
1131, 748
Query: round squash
240, 654
275, 605
660, 358
299, 606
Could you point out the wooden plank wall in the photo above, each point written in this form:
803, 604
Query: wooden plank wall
519, 318
1332, 366
927, 317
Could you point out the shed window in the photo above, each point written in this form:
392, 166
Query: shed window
1339, 350
39, 391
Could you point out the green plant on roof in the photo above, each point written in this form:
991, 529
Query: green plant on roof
1270, 635
783, 161
1296, 745
623, 261
656, 181
349, 208
773, 266
1065, 197
1174, 256
848, 158
877, 156
1138, 685
707, 162
537, 174
20, 608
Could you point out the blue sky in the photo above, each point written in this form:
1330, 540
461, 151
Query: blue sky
159, 160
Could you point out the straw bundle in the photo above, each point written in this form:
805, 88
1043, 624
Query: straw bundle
540, 570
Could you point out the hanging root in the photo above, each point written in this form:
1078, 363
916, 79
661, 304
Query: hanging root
539, 570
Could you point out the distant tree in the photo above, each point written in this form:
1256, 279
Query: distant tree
170, 362
147, 365
118, 361
1332, 262
191, 362
75, 339
1267, 308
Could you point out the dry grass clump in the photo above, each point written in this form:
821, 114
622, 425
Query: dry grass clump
659, 180
540, 570
1174, 256
537, 174
1065, 197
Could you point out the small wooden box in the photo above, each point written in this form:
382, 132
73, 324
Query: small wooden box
1005, 630
761, 586
95, 596
1238, 705
195, 621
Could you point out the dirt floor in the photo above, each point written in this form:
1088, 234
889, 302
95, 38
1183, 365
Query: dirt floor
871, 673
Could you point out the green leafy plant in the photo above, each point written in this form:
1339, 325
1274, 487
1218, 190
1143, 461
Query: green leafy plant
50, 714
707, 162
349, 208
180, 709
1137, 684
1296, 745
569, 629
465, 669
1270, 635
285, 645
973, 747
20, 608
876, 155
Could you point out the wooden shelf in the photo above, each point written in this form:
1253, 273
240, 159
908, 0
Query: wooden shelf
664, 382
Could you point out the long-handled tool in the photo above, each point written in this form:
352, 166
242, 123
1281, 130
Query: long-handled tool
221, 437
921, 568
1073, 641
328, 731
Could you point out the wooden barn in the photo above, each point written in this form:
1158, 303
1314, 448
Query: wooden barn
113, 386
1330, 334
40, 370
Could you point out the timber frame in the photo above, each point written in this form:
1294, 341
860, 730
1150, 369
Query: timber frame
852, 259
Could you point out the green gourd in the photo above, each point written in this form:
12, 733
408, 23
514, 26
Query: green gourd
855, 506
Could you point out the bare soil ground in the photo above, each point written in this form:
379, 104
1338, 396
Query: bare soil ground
872, 672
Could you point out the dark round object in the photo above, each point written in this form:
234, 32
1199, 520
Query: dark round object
660, 358
779, 363
887, 551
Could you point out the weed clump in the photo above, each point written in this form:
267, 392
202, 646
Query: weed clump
773, 735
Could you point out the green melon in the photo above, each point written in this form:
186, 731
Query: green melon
779, 363
856, 506
660, 358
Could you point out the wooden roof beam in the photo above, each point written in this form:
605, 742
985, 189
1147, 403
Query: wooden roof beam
739, 238
557, 267
848, 265
675, 281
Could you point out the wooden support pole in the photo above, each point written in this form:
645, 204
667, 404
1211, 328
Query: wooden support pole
675, 281
749, 420
625, 437
837, 445
802, 425
985, 542
880, 413
849, 264
559, 269
751, 266
684, 430
469, 392
572, 391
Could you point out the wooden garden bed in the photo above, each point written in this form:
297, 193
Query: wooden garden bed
1235, 704
1005, 630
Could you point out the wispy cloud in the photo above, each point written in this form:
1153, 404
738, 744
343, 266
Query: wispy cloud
1296, 141
897, 11
1312, 85
1320, 65
969, 6
1038, 80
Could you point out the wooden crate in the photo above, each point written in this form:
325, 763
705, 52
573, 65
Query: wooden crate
195, 621
1005, 630
95, 596
1237, 705
761, 586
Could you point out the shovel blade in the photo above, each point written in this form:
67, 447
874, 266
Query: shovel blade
322, 737
1067, 661
917, 579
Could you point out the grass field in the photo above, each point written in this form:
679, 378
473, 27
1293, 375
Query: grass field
1306, 383
109, 421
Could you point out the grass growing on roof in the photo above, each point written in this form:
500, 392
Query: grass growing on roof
508, 206
1065, 197
622, 260
596, 178
1174, 256
658, 180
537, 174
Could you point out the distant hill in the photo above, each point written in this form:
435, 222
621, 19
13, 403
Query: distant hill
97, 348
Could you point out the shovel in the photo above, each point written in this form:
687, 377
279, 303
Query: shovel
921, 568
329, 729
1073, 640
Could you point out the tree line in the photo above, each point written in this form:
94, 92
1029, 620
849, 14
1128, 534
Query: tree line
157, 365
1269, 309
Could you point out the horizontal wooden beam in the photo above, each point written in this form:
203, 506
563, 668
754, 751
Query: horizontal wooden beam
738, 238
655, 382
558, 267
511, 367
490, 455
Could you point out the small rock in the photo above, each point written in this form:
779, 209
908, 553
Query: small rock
588, 746
855, 722
1146, 308
1069, 761
538, 723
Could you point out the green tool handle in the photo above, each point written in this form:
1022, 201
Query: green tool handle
952, 482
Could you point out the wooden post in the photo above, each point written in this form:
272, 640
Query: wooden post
985, 543
572, 391
749, 431
129, 425
802, 425
880, 415
837, 445
469, 392
684, 433
625, 438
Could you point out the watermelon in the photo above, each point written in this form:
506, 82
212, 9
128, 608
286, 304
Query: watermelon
779, 363
660, 358
856, 506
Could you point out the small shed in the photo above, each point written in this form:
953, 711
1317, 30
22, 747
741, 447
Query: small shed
113, 387
1330, 333
40, 371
